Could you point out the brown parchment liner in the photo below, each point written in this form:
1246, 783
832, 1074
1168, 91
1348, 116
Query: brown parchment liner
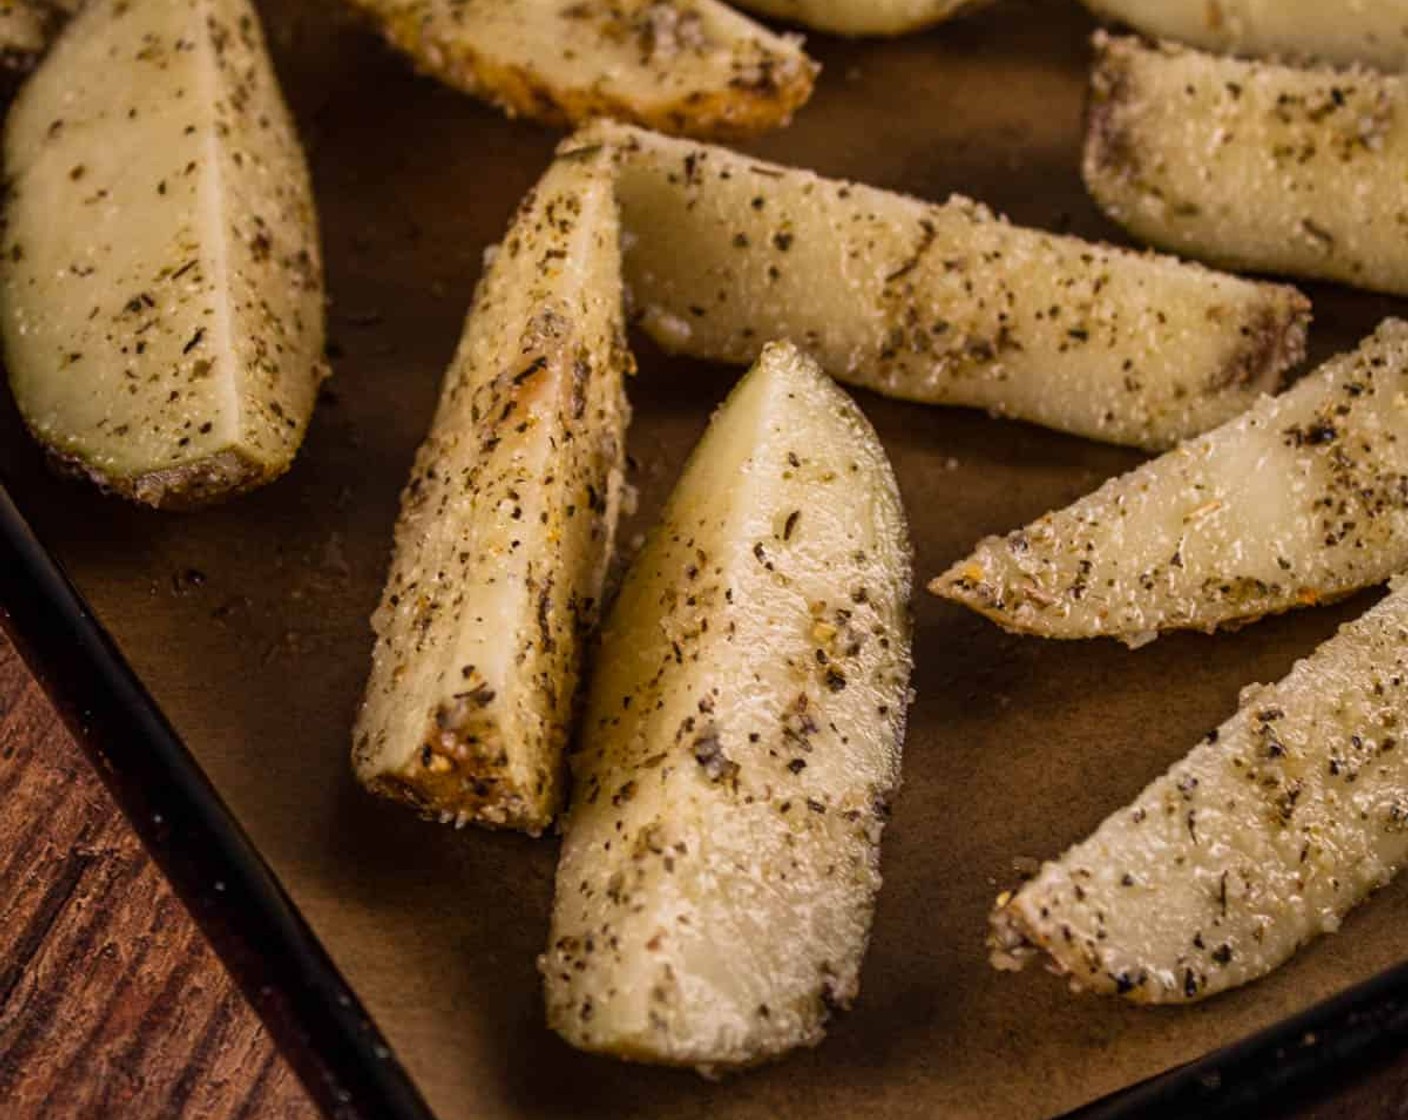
249, 622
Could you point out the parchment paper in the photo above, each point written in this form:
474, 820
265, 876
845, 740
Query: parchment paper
249, 622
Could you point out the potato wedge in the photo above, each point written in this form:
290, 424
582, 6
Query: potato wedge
689, 66
942, 304
1302, 499
506, 525
1263, 838
1250, 165
864, 17
742, 740
162, 283
1374, 32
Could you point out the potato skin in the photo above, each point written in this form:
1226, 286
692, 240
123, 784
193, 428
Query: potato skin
507, 524
692, 67
741, 743
163, 299
190, 486
940, 303
26, 28
865, 17
1252, 165
1373, 32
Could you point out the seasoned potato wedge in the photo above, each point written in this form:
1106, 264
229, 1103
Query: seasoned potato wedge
1302, 499
1263, 838
742, 739
688, 66
162, 284
864, 17
940, 304
1344, 31
1252, 165
506, 525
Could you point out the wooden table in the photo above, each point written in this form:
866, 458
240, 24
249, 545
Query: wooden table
112, 1005
111, 1002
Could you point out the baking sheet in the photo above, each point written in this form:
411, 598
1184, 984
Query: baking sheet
248, 623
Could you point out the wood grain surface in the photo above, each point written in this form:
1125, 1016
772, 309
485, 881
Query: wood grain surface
111, 1002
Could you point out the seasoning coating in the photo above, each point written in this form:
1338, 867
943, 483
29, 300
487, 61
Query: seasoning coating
741, 743
507, 524
1374, 32
940, 304
685, 66
162, 282
1262, 839
1252, 165
1302, 499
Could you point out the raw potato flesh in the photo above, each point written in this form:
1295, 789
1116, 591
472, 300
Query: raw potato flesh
741, 743
1374, 32
1302, 499
162, 283
506, 525
864, 17
1264, 837
940, 304
688, 66
1251, 165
